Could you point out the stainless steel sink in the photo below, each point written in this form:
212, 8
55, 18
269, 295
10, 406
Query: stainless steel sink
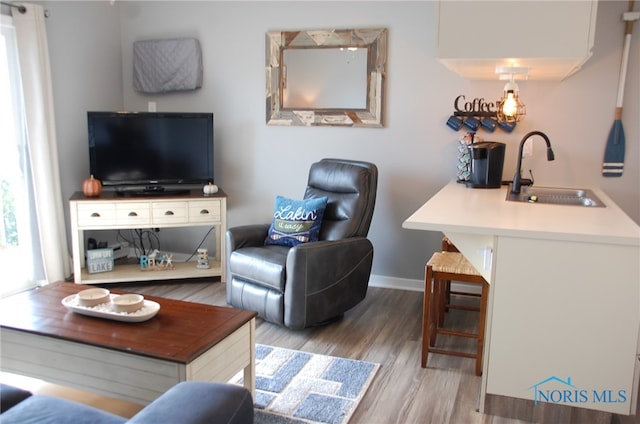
556, 196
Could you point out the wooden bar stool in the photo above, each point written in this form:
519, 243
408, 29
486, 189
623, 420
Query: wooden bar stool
440, 270
445, 301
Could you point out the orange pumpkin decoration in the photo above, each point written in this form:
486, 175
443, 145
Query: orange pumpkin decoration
92, 187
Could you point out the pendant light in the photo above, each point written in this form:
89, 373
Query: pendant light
510, 107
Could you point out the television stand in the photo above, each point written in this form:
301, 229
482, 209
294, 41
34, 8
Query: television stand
111, 212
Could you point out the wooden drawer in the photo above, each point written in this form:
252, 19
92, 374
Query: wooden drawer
96, 214
136, 214
170, 213
204, 211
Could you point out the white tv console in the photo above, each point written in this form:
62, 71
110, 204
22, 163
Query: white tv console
111, 212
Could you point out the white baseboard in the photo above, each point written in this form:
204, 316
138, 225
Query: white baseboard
385, 282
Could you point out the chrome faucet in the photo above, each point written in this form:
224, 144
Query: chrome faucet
517, 179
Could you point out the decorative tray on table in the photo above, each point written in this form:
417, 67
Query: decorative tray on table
105, 310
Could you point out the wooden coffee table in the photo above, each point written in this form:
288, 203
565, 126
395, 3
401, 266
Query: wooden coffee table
137, 362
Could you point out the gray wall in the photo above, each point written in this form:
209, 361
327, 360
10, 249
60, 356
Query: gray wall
91, 43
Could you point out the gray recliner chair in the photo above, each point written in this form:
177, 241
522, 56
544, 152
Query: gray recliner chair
315, 282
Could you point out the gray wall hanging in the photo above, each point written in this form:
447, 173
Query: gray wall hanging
161, 66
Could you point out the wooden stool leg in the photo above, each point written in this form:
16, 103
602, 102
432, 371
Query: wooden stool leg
442, 301
448, 295
435, 311
426, 314
481, 324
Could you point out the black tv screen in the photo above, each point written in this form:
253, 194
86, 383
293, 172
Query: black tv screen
150, 149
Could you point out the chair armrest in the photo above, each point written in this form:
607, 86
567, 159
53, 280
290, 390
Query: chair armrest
246, 236
326, 278
198, 402
10, 396
239, 237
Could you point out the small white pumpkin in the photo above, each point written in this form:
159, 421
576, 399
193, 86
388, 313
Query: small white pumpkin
210, 188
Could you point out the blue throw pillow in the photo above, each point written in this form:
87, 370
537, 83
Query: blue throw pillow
296, 221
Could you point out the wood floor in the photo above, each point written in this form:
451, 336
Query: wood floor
385, 328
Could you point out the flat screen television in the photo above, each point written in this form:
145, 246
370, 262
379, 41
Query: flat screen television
150, 152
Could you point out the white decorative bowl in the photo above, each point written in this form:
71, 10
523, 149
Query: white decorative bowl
93, 297
127, 302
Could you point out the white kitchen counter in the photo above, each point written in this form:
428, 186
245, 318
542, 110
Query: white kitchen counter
456, 208
564, 301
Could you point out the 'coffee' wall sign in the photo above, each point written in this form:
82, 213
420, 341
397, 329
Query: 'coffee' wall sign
476, 107
476, 114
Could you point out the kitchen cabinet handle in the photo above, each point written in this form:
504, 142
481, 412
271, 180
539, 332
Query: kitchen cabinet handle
204, 212
133, 214
168, 213
95, 215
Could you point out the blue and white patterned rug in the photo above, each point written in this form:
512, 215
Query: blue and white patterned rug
301, 387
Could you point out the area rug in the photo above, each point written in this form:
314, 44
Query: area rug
300, 387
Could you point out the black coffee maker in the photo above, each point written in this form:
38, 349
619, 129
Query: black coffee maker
487, 161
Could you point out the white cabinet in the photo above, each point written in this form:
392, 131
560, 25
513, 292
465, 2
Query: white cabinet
170, 213
95, 215
204, 211
131, 213
552, 38
564, 311
109, 212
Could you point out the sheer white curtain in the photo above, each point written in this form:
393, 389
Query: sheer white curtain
19, 247
35, 73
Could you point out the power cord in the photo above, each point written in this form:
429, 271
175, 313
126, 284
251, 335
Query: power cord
138, 236
199, 245
142, 241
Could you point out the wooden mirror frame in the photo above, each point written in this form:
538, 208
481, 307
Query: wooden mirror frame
373, 39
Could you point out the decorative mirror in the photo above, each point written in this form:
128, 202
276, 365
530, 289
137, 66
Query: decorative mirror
326, 77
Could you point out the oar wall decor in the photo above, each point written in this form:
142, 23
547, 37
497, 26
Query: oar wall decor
613, 164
